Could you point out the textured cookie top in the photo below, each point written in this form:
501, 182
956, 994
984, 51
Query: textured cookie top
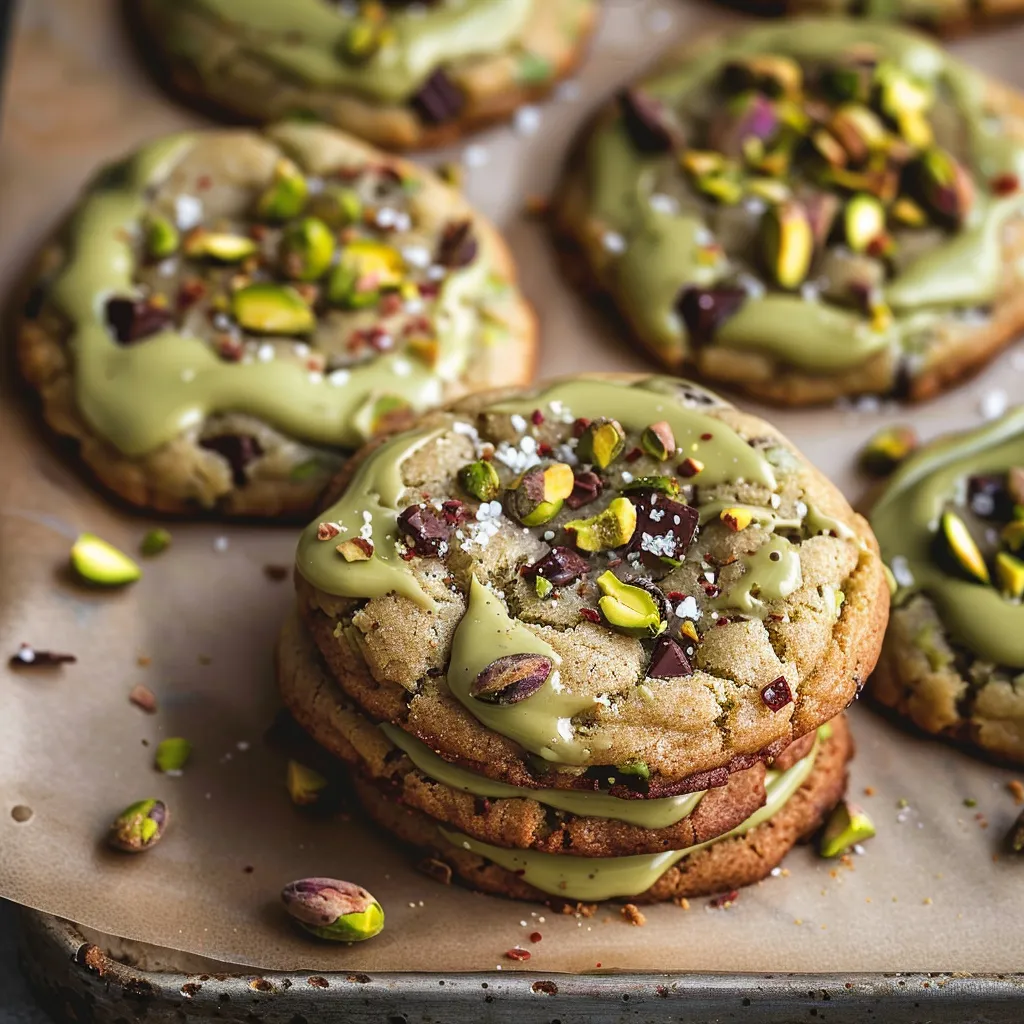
300, 276
600, 573
819, 193
951, 527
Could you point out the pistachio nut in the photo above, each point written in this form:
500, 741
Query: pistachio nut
900, 94
601, 443
961, 545
542, 586
480, 479
630, 609
172, 754
511, 678
887, 448
357, 549
331, 909
737, 518
828, 147
724, 188
906, 212
285, 197
1012, 534
848, 824
702, 163
304, 784
771, 73
155, 542
427, 349
662, 484
1010, 574
539, 494
337, 207
945, 185
608, 529
96, 561
221, 246
858, 129
365, 269
769, 189
364, 35
272, 309
307, 248
635, 767
139, 827
863, 221
787, 243
915, 130
162, 237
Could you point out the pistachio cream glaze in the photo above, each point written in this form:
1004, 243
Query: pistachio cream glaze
143, 394
666, 244
547, 718
602, 878
976, 614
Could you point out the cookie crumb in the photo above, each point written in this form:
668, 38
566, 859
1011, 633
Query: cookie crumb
725, 901
631, 915
1016, 788
144, 698
869, 790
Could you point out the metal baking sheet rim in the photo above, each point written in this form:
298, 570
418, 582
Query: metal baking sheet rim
77, 981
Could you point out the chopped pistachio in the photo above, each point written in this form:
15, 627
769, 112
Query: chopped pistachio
962, 546
337, 207
480, 479
162, 237
688, 629
658, 440
139, 827
662, 484
848, 824
736, 518
905, 211
364, 35
601, 443
787, 243
272, 309
863, 221
608, 529
96, 561
172, 754
307, 248
631, 609
542, 587
634, 767
304, 784
887, 448
769, 189
539, 494
1010, 574
155, 541
365, 269
358, 549
286, 195
219, 245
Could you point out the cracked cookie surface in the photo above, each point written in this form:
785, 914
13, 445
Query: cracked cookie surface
400, 75
226, 313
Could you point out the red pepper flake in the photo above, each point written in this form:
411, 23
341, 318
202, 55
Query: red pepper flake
706, 437
676, 596
390, 304
1005, 184
144, 698
711, 589
726, 900
204, 182
634, 454
517, 954
598, 964
579, 425
689, 468
276, 572
535, 936
777, 694
544, 449
190, 292
590, 614
29, 657
536, 417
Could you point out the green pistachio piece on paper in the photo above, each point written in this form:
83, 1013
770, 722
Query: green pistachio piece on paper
139, 827
162, 237
848, 824
286, 195
307, 248
333, 910
155, 542
172, 754
630, 609
96, 561
608, 529
963, 548
272, 309
304, 784
601, 443
480, 480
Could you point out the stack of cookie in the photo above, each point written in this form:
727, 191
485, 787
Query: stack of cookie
587, 641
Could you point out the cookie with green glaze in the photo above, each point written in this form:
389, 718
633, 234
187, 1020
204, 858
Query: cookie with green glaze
807, 211
401, 75
225, 314
606, 582
798, 801
950, 523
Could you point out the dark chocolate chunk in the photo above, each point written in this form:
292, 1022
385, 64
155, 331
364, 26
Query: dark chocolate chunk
134, 319
439, 99
777, 694
704, 310
663, 527
561, 565
649, 122
238, 449
424, 529
989, 496
669, 660
458, 247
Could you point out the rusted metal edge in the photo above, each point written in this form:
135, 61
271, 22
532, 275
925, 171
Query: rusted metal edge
77, 981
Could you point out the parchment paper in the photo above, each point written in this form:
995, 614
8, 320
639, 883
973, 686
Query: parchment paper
928, 893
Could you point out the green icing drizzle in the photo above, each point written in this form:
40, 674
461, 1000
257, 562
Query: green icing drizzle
602, 878
661, 250
303, 38
905, 520
764, 579
142, 396
659, 813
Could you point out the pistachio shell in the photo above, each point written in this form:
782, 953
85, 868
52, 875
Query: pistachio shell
887, 448
863, 221
1010, 574
787, 243
272, 309
608, 529
630, 609
139, 827
962, 546
221, 246
480, 479
848, 824
96, 561
304, 784
307, 248
162, 237
172, 754
601, 443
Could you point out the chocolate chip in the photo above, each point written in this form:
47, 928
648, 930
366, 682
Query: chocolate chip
663, 527
277, 573
424, 528
649, 123
457, 247
561, 565
669, 660
29, 657
238, 449
439, 99
586, 487
989, 496
704, 310
134, 319
777, 694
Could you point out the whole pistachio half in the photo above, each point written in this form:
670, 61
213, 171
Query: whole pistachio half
331, 909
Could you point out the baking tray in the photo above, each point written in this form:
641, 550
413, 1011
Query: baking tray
76, 980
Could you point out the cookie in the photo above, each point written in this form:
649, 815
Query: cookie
798, 800
612, 582
226, 313
951, 527
401, 75
552, 821
806, 211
